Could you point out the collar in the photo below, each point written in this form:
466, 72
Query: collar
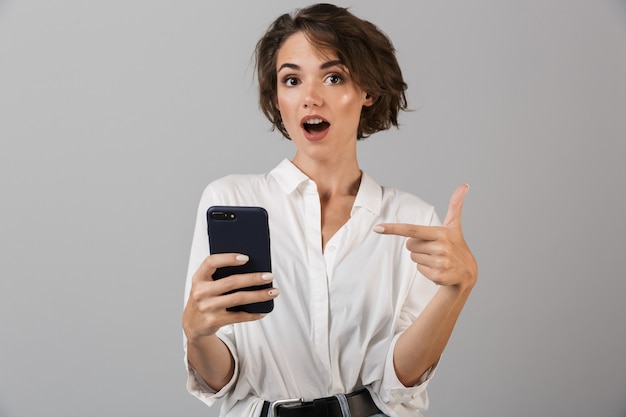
290, 178
369, 196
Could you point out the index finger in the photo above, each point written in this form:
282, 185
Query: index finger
407, 230
210, 264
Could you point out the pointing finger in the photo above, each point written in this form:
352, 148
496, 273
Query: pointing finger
408, 230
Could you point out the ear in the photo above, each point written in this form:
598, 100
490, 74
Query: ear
368, 100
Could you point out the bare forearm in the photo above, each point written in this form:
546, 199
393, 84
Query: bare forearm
212, 360
207, 310
422, 344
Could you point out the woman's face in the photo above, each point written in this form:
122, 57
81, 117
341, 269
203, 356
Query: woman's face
319, 103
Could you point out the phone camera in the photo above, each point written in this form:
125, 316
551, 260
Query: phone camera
222, 215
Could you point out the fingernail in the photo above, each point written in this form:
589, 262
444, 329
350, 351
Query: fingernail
267, 276
378, 229
274, 292
242, 258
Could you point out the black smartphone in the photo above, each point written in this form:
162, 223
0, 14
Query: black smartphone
239, 229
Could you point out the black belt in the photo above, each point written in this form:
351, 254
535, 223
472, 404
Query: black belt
360, 403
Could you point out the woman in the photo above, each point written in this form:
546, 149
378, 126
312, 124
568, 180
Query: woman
361, 321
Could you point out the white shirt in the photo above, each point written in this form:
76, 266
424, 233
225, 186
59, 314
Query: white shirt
340, 312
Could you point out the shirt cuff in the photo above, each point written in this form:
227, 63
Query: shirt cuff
197, 387
394, 392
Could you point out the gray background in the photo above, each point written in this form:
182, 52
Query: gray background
115, 114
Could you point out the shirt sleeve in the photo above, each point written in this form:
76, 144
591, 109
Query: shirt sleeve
199, 251
392, 392
197, 387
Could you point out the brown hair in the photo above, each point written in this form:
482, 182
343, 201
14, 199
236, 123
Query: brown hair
365, 50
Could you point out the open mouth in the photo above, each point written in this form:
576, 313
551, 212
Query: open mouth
315, 125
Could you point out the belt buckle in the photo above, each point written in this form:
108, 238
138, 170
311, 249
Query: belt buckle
278, 403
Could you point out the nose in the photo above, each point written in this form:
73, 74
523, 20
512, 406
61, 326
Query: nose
312, 96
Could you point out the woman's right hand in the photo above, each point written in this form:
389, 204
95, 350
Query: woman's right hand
206, 312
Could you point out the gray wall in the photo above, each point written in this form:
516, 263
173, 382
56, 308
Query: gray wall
115, 114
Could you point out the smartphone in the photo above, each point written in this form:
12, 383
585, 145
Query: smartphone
239, 229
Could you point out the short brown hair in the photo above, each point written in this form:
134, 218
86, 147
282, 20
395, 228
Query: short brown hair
365, 50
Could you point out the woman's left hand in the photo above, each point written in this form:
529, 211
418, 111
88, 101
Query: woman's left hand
441, 253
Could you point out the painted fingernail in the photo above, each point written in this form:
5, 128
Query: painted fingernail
378, 229
267, 276
242, 258
274, 292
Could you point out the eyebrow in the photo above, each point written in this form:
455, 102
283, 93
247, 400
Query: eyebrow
325, 65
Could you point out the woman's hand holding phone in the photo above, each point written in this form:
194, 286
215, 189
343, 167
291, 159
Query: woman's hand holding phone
206, 309
232, 285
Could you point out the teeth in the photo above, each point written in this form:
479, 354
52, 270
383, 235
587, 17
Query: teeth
314, 121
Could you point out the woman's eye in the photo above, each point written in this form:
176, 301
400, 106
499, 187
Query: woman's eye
290, 81
334, 79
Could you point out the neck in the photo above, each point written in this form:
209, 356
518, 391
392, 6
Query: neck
333, 178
